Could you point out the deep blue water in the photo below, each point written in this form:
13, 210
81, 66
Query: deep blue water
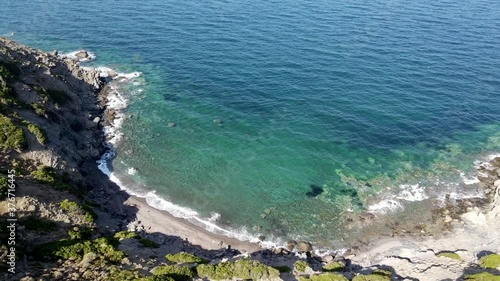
352, 98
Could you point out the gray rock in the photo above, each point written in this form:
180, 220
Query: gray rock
304, 246
496, 183
82, 55
171, 124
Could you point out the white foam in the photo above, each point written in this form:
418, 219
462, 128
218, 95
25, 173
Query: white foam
412, 193
385, 207
72, 55
469, 181
132, 171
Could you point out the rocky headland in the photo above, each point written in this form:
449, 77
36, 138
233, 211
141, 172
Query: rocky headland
73, 223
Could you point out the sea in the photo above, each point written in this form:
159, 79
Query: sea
286, 119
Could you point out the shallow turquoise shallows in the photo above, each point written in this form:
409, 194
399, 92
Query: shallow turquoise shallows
290, 115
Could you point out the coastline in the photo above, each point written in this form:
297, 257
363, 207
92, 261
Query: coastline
151, 220
473, 231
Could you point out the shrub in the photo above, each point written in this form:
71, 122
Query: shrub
148, 243
48, 175
74, 208
126, 235
36, 224
45, 174
39, 133
178, 273
77, 233
104, 248
241, 269
11, 136
116, 273
184, 257
9, 70
490, 261
324, 277
40, 109
4, 187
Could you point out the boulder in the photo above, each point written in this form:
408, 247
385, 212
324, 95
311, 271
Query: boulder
304, 246
291, 245
82, 55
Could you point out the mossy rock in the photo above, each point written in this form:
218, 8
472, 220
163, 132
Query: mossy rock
241, 270
449, 255
148, 243
300, 266
372, 277
178, 273
483, 276
490, 261
184, 257
127, 235
334, 266
324, 277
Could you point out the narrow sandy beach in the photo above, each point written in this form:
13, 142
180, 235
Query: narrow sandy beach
154, 220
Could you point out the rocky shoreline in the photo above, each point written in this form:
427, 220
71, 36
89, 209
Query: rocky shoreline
64, 201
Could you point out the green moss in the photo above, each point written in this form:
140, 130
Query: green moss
449, 255
148, 243
483, 276
490, 261
39, 133
178, 273
324, 277
241, 269
126, 235
334, 266
184, 257
11, 136
300, 266
40, 225
372, 277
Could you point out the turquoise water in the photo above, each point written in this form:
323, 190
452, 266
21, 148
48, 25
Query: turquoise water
323, 105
